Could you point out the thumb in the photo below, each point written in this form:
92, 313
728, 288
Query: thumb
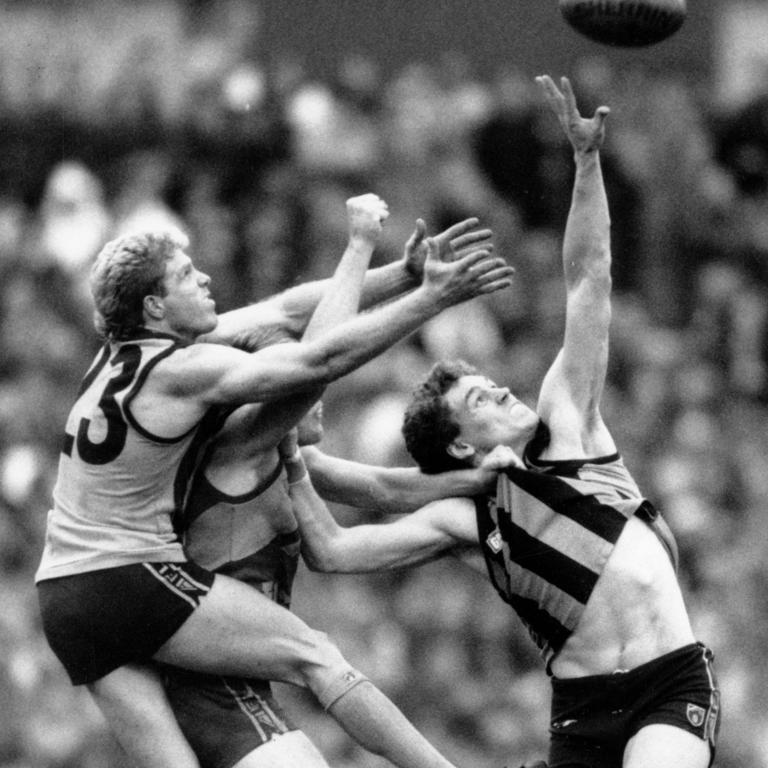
600, 114
418, 234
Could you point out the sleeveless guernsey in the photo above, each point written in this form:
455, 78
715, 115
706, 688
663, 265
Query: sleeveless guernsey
548, 533
119, 485
236, 535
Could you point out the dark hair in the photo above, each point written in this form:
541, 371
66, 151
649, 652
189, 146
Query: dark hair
126, 270
428, 425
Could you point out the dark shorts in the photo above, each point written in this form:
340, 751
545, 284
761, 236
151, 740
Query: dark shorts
594, 717
224, 718
98, 621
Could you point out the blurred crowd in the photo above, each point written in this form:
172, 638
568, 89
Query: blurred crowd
167, 117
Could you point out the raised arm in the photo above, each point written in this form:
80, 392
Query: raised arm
218, 374
571, 392
288, 313
428, 533
258, 427
341, 299
395, 490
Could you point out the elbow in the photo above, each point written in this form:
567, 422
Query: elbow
324, 364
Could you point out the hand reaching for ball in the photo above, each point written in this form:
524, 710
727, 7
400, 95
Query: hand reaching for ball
585, 134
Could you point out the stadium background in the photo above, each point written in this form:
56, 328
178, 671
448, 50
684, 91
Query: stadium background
250, 123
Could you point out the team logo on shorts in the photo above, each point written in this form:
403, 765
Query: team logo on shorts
695, 715
178, 581
494, 541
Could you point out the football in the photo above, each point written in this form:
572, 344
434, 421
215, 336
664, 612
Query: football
625, 23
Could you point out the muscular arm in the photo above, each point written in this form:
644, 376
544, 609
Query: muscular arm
219, 374
570, 395
391, 490
342, 295
288, 313
255, 428
413, 539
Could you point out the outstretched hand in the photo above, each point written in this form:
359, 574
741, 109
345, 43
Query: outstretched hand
452, 243
471, 275
585, 134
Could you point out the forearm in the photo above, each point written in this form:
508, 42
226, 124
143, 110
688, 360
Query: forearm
388, 490
360, 339
319, 530
288, 313
330, 547
315, 521
586, 244
342, 295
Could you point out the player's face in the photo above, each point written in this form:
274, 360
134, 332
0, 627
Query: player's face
489, 415
311, 426
189, 308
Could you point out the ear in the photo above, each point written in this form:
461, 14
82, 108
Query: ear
154, 307
461, 451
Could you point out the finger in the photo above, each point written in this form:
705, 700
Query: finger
476, 236
461, 228
551, 92
487, 264
417, 235
600, 114
498, 285
472, 258
497, 273
568, 95
546, 83
457, 255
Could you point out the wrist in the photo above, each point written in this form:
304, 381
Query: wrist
411, 271
302, 477
361, 243
294, 458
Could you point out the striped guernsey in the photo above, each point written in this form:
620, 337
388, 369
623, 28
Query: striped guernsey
548, 533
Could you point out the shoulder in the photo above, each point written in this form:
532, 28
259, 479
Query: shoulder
194, 367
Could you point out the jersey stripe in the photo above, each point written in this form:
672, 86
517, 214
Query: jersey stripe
554, 567
568, 500
547, 537
91, 375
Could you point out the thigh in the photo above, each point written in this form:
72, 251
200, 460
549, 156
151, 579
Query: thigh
134, 704
238, 631
287, 751
99, 621
666, 746
225, 718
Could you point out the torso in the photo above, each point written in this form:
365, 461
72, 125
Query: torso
119, 484
248, 533
627, 607
635, 614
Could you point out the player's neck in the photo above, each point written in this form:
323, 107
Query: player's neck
162, 326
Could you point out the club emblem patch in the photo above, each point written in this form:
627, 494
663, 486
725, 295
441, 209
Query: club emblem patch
695, 715
494, 541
